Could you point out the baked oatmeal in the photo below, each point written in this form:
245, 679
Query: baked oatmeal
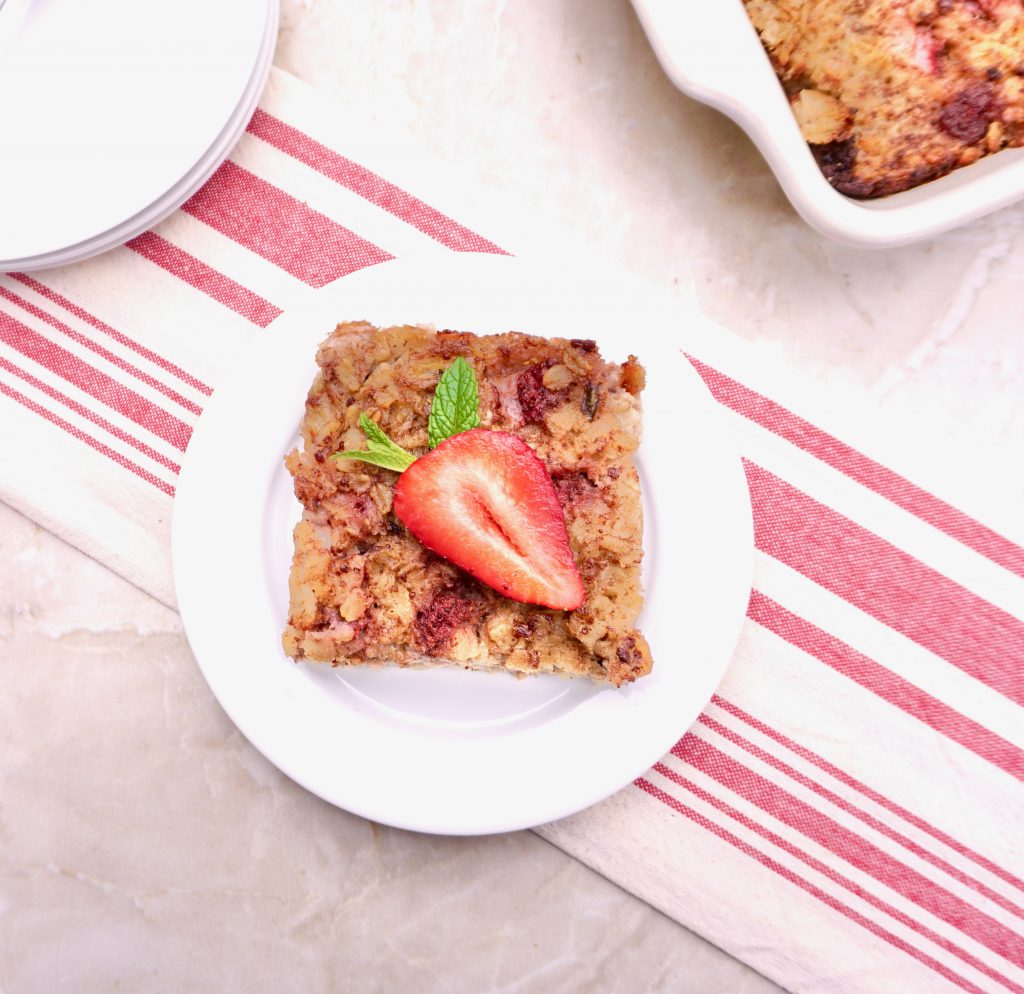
892, 93
364, 590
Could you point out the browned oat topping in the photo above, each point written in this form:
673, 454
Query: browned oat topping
892, 93
364, 591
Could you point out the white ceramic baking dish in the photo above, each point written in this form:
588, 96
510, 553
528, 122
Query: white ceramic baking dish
711, 51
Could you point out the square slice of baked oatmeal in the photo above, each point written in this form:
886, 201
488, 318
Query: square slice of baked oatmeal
363, 590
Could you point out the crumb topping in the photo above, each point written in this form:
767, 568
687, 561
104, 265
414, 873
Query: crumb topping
892, 93
362, 590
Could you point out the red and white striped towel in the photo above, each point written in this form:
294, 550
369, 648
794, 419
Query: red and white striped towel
848, 812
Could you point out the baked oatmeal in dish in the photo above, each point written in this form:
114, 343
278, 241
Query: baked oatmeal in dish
548, 475
892, 93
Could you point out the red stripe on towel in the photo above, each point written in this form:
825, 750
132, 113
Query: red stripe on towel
871, 474
886, 684
284, 231
87, 439
368, 185
892, 586
94, 382
122, 339
206, 279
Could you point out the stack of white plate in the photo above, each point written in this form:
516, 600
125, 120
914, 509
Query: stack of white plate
115, 112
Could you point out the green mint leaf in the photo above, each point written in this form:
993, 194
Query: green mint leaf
380, 450
375, 437
454, 409
384, 459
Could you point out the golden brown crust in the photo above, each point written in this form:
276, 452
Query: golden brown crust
892, 93
365, 591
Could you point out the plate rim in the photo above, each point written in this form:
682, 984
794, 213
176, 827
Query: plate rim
460, 266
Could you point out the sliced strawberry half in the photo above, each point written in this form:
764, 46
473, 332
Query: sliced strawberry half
484, 501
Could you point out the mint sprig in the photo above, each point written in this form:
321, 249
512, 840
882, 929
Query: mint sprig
456, 399
454, 410
380, 450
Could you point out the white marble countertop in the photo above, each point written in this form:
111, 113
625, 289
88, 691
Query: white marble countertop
144, 846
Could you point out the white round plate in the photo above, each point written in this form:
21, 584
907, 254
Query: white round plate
448, 750
185, 187
118, 102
